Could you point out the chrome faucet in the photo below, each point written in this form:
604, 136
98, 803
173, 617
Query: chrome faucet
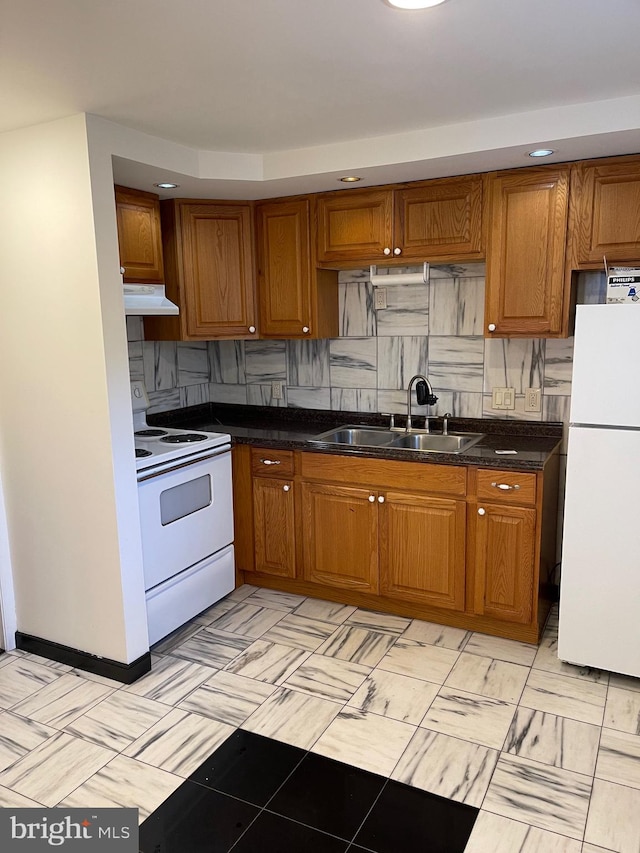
426, 399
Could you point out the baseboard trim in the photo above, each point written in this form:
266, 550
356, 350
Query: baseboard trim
126, 673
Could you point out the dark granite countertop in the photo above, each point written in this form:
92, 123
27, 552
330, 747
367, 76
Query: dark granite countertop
293, 429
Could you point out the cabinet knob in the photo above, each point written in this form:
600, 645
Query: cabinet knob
380, 499
305, 329
286, 488
252, 329
122, 270
492, 327
397, 251
386, 251
372, 499
481, 511
505, 486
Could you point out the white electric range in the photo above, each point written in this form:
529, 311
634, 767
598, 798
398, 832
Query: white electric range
186, 518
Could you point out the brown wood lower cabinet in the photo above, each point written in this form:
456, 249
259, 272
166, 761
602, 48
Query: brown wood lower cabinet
274, 527
463, 546
340, 525
422, 549
504, 562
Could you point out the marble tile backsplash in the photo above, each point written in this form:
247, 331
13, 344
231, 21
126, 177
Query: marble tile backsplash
436, 329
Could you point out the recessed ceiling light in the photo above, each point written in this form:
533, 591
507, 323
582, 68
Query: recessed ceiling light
541, 152
412, 4
165, 185
349, 179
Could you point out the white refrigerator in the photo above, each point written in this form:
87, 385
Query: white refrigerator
600, 572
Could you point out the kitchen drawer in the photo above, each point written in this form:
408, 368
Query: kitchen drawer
271, 463
511, 487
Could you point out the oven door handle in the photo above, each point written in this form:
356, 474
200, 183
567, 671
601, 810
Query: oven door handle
185, 464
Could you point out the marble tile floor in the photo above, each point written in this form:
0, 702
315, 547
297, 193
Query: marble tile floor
453, 730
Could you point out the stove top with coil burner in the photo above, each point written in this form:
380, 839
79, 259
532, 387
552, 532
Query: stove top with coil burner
170, 444
184, 438
156, 446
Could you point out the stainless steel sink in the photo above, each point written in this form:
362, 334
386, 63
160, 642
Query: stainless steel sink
427, 442
357, 435
436, 442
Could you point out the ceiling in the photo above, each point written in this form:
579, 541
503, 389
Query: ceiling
301, 91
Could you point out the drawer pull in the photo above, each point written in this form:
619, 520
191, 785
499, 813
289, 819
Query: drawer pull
505, 487
270, 461
286, 488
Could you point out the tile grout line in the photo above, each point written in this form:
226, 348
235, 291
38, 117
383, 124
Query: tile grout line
595, 767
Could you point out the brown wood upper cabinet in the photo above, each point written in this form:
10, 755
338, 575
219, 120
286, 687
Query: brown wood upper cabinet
208, 253
525, 293
605, 218
296, 300
436, 220
139, 235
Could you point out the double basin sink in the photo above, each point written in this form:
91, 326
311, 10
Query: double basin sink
420, 440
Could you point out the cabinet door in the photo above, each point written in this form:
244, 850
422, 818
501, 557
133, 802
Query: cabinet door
525, 256
504, 562
608, 222
139, 235
218, 270
355, 225
422, 545
340, 527
440, 219
284, 278
274, 526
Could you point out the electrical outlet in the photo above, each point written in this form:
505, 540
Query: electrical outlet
380, 297
532, 400
277, 390
503, 398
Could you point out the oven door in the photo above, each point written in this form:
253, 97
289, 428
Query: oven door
186, 513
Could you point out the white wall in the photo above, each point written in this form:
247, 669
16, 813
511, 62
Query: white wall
7, 598
65, 421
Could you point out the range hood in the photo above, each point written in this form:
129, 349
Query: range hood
147, 299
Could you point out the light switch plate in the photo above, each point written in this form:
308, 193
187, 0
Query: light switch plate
503, 398
277, 390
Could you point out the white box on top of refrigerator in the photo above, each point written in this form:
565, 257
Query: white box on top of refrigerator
623, 285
